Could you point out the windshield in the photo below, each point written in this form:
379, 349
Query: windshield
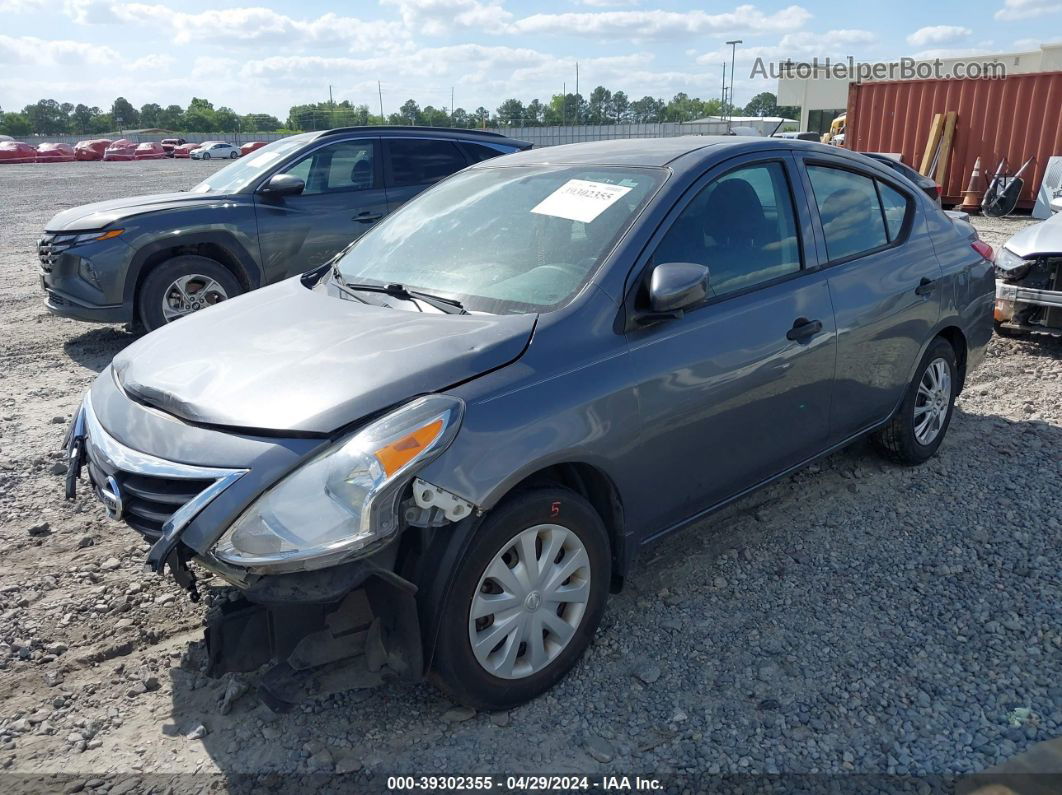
240, 172
503, 240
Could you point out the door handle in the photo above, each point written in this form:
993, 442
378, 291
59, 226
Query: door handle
925, 286
804, 328
367, 217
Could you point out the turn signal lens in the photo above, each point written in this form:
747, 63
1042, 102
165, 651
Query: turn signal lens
397, 454
110, 233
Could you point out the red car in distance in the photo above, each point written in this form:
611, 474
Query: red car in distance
150, 150
55, 153
171, 144
17, 152
250, 146
122, 149
91, 150
184, 150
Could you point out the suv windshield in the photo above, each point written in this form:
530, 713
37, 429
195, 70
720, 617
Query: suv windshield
238, 174
504, 240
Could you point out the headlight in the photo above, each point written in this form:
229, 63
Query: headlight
1009, 265
344, 499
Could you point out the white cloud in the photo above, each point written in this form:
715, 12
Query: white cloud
658, 24
92, 12
1027, 9
801, 45
938, 34
20, 6
21, 50
436, 17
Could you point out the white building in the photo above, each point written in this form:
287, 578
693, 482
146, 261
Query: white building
823, 95
765, 125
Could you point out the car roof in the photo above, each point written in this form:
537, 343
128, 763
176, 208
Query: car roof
678, 153
416, 131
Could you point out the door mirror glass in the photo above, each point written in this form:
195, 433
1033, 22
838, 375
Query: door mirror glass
677, 285
283, 185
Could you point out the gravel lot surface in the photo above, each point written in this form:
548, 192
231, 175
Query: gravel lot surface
855, 617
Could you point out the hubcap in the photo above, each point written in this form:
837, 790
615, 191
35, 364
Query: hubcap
529, 601
933, 401
190, 294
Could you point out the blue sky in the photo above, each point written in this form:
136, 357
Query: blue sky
265, 56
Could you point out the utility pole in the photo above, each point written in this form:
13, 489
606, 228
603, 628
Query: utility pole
564, 104
722, 96
380, 92
733, 52
577, 93
451, 106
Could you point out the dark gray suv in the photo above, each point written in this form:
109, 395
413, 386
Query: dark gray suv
442, 451
279, 211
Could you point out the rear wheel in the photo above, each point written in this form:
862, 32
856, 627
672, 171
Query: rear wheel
183, 285
526, 599
233, 154
918, 428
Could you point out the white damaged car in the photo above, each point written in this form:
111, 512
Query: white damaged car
1029, 280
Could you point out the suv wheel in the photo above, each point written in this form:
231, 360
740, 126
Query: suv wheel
918, 428
183, 285
525, 601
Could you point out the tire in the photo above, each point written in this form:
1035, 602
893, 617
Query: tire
162, 278
206, 155
233, 155
560, 514
901, 440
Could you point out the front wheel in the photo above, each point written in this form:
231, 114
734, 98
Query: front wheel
233, 155
917, 430
206, 155
183, 285
526, 599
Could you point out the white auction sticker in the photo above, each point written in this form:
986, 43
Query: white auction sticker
580, 200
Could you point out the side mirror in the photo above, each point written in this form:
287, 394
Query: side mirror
283, 185
675, 286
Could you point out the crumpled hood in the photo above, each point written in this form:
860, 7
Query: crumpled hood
287, 358
1039, 239
97, 215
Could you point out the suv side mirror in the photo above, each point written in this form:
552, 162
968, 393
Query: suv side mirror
283, 185
675, 286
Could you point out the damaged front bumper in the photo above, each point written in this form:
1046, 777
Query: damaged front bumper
1023, 308
359, 614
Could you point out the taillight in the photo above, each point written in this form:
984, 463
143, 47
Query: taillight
940, 190
982, 248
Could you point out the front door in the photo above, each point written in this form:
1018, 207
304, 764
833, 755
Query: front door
343, 198
738, 389
885, 281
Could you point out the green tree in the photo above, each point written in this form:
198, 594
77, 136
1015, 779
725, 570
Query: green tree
171, 118
151, 115
599, 106
16, 125
226, 119
461, 118
621, 108
260, 122
82, 117
647, 110
534, 113
124, 114
511, 113
46, 117
409, 112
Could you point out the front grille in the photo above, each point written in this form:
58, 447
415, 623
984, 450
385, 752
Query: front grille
51, 247
148, 501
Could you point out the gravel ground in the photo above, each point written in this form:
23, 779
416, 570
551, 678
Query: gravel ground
855, 617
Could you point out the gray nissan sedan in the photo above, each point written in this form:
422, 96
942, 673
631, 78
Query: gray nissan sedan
438, 453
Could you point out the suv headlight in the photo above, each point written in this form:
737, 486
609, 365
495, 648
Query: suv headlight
1010, 266
344, 499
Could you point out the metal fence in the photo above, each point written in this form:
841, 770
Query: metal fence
539, 136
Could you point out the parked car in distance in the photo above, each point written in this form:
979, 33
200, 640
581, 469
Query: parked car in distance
91, 150
169, 144
798, 136
122, 149
1029, 280
462, 430
16, 152
149, 150
251, 146
215, 149
55, 153
184, 150
927, 185
284, 209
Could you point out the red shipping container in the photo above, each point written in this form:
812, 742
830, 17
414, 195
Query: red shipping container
1015, 117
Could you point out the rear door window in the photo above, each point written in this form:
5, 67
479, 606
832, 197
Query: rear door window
422, 161
850, 211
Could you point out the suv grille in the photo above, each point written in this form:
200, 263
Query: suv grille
50, 248
148, 501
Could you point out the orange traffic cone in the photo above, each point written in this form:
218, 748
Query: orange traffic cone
975, 189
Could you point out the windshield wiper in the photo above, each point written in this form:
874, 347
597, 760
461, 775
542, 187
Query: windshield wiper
448, 305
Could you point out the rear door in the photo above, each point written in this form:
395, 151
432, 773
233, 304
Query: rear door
413, 164
343, 197
738, 389
885, 282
